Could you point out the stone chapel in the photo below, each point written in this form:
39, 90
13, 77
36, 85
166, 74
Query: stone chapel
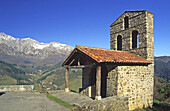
126, 69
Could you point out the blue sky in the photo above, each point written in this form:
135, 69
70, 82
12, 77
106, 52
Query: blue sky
79, 22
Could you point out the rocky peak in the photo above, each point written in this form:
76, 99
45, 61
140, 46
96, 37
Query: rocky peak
32, 49
6, 37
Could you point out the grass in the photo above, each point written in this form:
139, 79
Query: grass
7, 80
60, 101
160, 103
74, 84
157, 106
156, 101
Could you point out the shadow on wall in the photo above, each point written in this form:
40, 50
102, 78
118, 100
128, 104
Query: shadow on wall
1, 93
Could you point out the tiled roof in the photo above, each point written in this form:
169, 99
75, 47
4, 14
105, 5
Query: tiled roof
108, 55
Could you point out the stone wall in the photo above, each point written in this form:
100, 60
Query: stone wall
137, 21
133, 81
142, 21
4, 88
111, 80
113, 103
136, 82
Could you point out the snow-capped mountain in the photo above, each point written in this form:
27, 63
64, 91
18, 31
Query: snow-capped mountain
27, 50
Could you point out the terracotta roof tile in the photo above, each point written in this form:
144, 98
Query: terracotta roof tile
108, 55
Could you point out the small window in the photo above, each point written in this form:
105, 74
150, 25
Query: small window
119, 42
135, 39
126, 22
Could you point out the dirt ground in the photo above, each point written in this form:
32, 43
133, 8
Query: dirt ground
28, 101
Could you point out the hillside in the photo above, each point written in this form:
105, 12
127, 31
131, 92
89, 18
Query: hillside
161, 90
162, 79
162, 67
54, 78
10, 74
44, 78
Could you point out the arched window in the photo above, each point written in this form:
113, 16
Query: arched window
119, 42
135, 39
126, 22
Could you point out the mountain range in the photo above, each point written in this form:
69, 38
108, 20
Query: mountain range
29, 52
164, 59
40, 63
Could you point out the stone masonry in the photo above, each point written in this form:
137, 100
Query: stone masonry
135, 81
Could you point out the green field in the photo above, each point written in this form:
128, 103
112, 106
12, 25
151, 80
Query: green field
6, 80
74, 84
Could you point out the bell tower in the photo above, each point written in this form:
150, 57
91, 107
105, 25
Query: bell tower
133, 32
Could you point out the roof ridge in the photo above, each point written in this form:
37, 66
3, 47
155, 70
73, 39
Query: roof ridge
78, 46
86, 52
